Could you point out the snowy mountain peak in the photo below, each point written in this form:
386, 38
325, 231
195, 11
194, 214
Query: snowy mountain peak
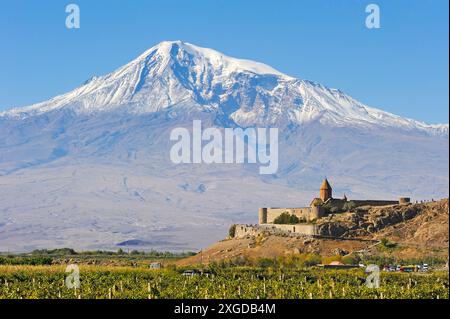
167, 74
175, 74
207, 58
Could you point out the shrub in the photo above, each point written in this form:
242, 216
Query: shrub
232, 231
266, 262
286, 219
58, 251
350, 260
241, 261
312, 260
385, 243
25, 261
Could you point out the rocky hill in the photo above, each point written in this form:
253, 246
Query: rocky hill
428, 228
416, 230
405, 223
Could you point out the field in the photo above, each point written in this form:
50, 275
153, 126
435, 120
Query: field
25, 281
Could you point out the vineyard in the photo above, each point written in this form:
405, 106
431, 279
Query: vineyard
109, 282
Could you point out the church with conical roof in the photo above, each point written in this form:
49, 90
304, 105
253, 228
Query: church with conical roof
322, 206
302, 220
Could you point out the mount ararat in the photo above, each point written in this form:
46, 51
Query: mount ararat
90, 169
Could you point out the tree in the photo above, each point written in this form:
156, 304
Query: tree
232, 231
286, 219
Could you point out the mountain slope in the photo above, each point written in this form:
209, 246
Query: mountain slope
172, 74
92, 167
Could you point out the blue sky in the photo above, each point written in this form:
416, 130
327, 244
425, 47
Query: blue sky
401, 68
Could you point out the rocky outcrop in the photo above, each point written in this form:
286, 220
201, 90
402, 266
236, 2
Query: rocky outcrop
366, 221
416, 227
331, 229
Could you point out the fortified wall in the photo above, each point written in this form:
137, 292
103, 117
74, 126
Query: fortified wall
307, 214
319, 207
243, 231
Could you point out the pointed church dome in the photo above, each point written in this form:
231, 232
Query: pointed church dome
325, 185
325, 191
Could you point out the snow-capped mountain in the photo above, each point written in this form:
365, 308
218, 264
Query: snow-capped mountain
91, 166
174, 74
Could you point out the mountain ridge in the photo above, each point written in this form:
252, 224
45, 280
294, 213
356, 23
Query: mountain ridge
175, 72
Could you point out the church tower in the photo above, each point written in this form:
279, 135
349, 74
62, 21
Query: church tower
326, 191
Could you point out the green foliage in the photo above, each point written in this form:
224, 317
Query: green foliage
241, 261
16, 260
385, 243
61, 252
266, 262
232, 231
58, 251
38, 282
350, 260
119, 257
312, 260
286, 219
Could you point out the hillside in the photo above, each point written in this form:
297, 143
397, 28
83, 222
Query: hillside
419, 223
430, 228
418, 230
